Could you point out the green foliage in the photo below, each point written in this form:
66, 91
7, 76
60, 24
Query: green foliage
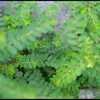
12, 89
36, 62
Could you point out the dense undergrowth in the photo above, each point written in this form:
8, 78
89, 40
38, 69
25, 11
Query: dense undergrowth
36, 62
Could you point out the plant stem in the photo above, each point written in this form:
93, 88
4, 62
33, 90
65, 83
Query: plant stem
32, 15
